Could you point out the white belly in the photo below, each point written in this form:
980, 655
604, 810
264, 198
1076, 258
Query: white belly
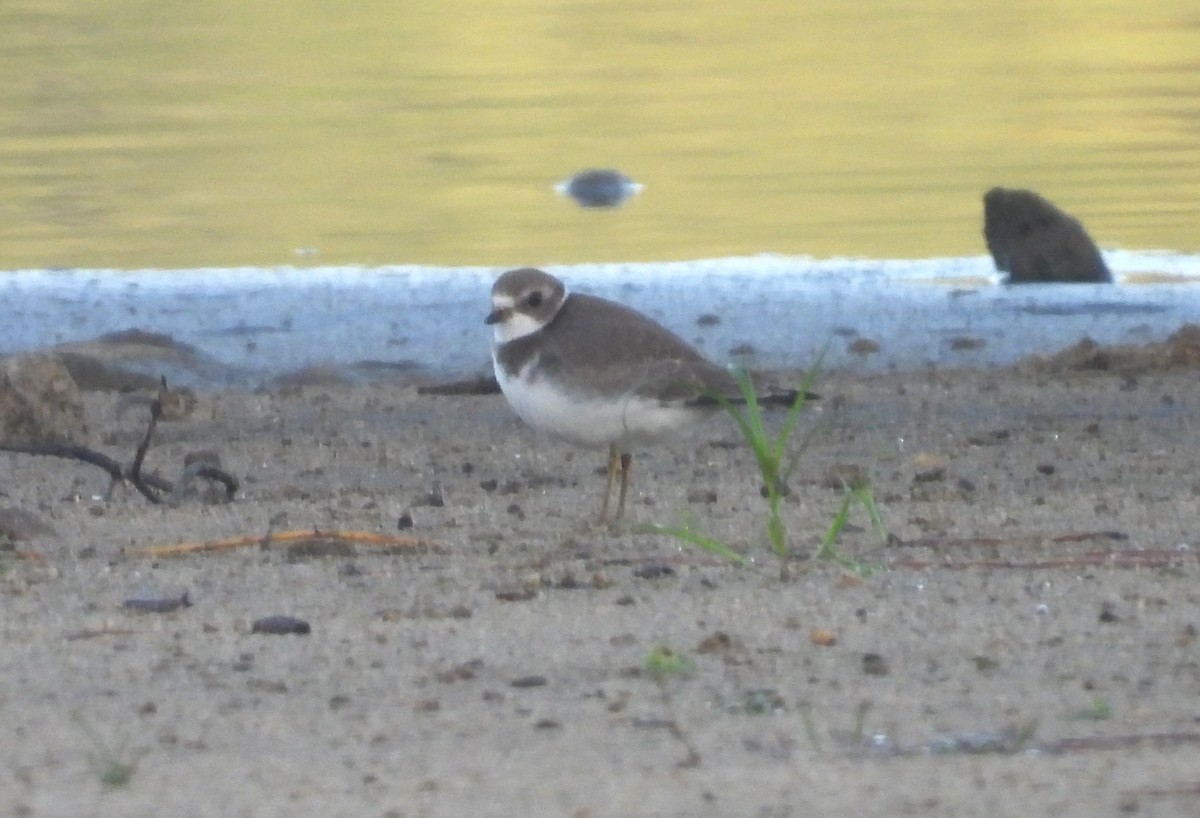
588, 421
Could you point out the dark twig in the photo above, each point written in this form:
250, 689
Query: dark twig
135, 471
209, 472
70, 451
146, 484
479, 385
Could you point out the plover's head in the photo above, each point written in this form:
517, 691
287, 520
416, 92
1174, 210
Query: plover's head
523, 301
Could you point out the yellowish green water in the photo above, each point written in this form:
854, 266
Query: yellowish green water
228, 132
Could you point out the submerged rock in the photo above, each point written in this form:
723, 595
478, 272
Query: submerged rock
599, 187
136, 359
1035, 242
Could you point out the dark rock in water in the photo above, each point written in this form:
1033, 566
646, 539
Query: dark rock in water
135, 359
39, 402
597, 187
1033, 241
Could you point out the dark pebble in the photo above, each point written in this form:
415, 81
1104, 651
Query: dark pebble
433, 498
158, 604
522, 595
874, 665
963, 344
529, 681
863, 346
280, 624
653, 570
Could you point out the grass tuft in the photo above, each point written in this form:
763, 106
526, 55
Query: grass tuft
113, 764
776, 461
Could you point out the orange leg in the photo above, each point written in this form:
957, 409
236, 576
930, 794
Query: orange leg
626, 465
613, 459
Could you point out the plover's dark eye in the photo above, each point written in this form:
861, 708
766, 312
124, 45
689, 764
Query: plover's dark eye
535, 299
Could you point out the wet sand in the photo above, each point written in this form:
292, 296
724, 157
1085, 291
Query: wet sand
1026, 643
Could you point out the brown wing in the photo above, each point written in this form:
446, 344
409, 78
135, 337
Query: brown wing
627, 353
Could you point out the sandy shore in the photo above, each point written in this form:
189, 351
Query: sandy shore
1025, 646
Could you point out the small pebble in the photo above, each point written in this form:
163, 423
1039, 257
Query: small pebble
653, 570
279, 624
822, 637
863, 346
529, 681
874, 664
151, 604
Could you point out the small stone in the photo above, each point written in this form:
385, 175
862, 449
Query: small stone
279, 624
874, 665
154, 604
822, 637
930, 468
964, 344
841, 476
432, 498
516, 595
208, 457
863, 347
528, 681
653, 570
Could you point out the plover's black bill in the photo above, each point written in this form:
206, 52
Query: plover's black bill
599, 187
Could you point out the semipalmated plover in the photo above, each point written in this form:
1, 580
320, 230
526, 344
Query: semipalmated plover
597, 373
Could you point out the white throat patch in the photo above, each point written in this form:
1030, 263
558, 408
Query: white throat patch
517, 324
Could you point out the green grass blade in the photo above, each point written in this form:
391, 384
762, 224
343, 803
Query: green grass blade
685, 533
866, 499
